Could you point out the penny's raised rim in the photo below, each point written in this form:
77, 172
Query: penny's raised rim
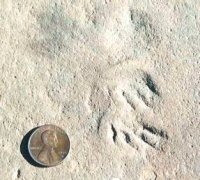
32, 156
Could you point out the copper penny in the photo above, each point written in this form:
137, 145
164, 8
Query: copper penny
49, 145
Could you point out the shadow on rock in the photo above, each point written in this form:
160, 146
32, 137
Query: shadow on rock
24, 149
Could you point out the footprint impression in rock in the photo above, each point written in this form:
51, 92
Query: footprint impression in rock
118, 105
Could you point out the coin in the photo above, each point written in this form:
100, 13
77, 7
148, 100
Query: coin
48, 145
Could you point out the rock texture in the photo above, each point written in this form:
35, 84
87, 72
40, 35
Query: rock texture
122, 77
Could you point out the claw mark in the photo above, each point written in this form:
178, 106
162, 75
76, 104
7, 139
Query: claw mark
148, 140
18, 173
151, 85
155, 131
152, 136
141, 92
129, 140
144, 99
146, 135
137, 94
99, 120
125, 95
127, 137
114, 133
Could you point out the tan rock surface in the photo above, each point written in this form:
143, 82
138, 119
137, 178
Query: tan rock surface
121, 77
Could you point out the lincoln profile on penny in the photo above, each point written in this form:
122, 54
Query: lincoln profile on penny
49, 145
48, 153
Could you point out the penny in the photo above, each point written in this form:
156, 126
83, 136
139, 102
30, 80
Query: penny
48, 145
